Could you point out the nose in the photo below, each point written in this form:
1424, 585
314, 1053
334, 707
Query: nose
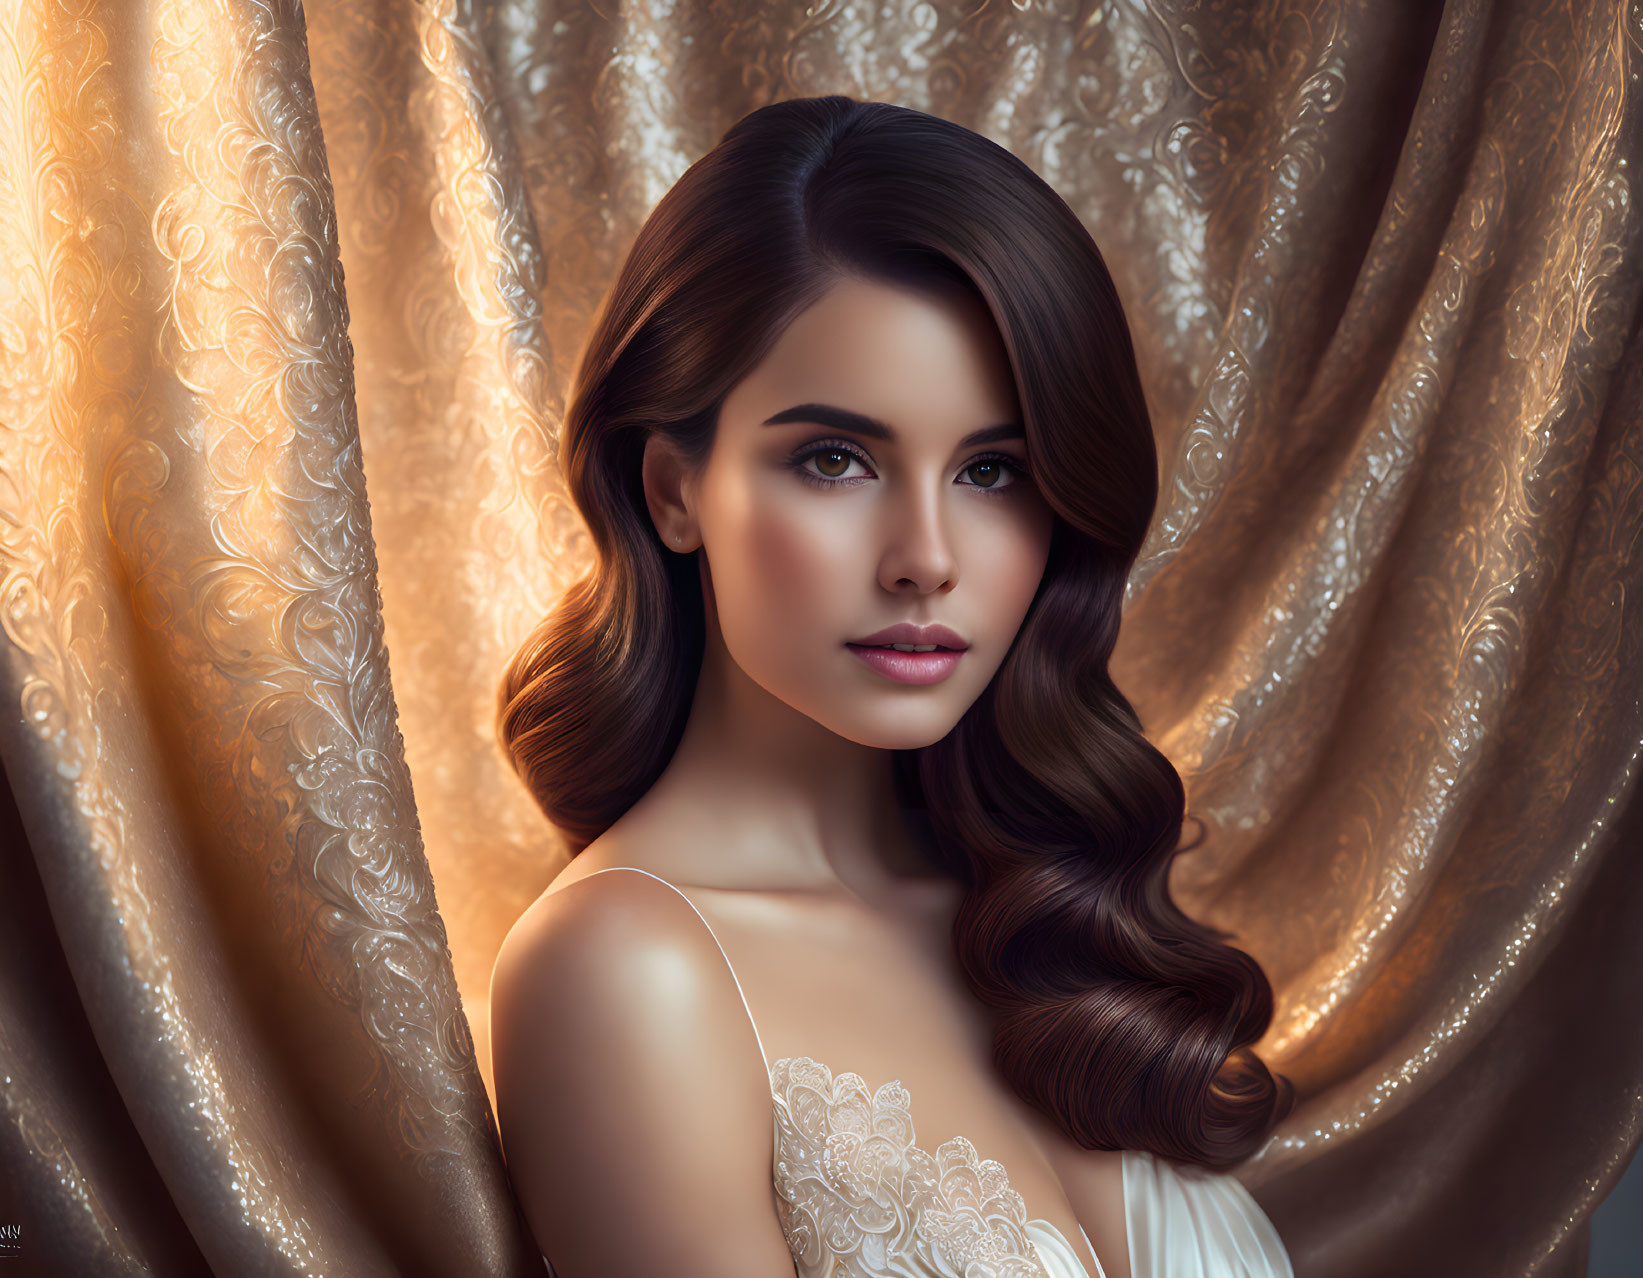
918, 551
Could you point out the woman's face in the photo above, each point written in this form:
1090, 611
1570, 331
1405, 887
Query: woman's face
870, 471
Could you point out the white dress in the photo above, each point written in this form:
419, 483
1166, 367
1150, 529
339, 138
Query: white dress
859, 1198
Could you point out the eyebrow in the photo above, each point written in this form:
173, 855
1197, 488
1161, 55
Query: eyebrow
861, 424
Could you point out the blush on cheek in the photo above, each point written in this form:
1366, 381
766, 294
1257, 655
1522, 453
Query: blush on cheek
794, 566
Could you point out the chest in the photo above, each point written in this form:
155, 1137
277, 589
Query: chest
859, 1197
897, 1150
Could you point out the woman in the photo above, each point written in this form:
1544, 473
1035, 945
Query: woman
865, 964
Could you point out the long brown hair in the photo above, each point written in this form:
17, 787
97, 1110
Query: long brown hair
1126, 1021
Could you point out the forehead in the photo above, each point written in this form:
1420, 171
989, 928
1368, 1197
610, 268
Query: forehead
892, 351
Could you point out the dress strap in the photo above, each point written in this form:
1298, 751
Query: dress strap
715, 937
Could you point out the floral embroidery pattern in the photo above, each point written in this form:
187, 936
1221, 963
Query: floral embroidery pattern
857, 1198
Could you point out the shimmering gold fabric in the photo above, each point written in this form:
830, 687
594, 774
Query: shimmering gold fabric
1382, 263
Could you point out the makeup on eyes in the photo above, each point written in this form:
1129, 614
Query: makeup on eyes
796, 461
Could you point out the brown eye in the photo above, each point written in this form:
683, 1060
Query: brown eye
832, 462
826, 465
994, 473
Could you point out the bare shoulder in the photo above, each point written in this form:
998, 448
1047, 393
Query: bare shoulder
632, 1098
601, 948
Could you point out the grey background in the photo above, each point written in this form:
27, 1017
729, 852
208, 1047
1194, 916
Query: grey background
1617, 1229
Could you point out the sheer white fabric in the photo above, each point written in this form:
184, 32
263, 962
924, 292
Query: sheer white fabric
859, 1198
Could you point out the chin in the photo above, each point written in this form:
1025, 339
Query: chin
896, 728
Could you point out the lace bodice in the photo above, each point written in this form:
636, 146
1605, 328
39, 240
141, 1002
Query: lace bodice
858, 1197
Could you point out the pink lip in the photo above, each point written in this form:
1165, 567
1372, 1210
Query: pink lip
908, 667
907, 632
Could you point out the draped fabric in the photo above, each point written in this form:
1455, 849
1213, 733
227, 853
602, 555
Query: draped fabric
289, 300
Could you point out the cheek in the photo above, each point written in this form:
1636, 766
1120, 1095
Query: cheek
788, 572
1006, 563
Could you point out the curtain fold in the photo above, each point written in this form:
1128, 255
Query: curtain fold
203, 740
1382, 265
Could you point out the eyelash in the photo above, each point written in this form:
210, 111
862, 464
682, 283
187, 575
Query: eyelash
798, 459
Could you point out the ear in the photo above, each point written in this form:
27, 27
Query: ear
670, 494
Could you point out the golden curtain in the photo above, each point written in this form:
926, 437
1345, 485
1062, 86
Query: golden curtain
1382, 265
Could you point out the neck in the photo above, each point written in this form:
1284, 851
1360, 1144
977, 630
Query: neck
791, 804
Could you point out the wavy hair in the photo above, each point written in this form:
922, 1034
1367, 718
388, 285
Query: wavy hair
1127, 1022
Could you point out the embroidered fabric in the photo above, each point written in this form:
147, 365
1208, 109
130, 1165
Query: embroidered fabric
859, 1198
